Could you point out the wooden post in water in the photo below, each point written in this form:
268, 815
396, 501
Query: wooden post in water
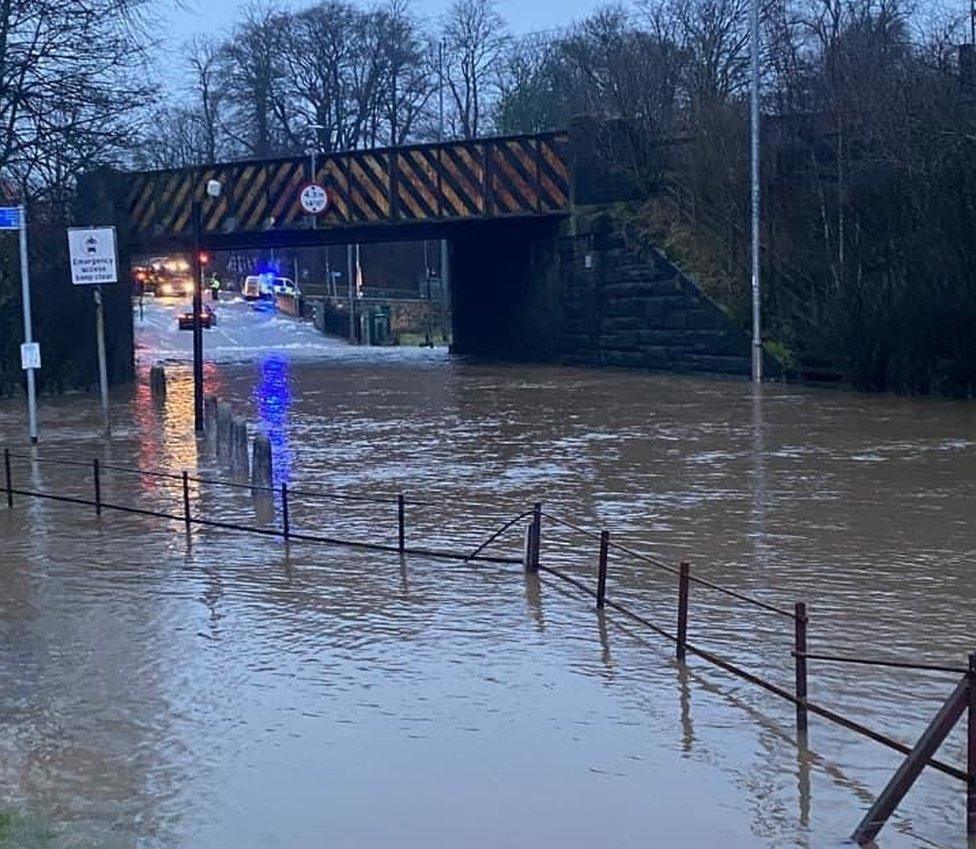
800, 647
239, 461
210, 416
285, 523
8, 477
186, 501
224, 416
601, 575
401, 529
262, 473
971, 750
157, 383
684, 585
98, 487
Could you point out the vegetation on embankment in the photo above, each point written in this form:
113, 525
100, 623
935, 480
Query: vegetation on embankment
868, 169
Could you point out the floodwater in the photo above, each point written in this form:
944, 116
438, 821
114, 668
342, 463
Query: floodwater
224, 689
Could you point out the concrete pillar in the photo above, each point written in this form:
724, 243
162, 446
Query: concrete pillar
224, 416
261, 469
157, 383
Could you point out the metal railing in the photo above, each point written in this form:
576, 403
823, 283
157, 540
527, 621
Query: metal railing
962, 699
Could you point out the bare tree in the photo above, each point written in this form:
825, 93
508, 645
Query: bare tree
72, 80
209, 92
476, 40
253, 65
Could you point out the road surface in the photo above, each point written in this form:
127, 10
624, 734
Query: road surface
247, 333
241, 332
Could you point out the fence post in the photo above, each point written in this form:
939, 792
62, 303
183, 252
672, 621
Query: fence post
971, 750
8, 476
535, 542
601, 575
186, 501
285, 524
401, 530
684, 585
98, 487
800, 647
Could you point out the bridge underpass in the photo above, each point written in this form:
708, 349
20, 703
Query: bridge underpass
541, 268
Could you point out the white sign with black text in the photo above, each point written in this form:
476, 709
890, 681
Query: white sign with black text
314, 199
30, 355
94, 257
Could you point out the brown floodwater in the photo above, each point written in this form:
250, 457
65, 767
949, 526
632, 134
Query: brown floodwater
222, 689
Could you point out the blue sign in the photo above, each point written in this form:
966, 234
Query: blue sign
9, 217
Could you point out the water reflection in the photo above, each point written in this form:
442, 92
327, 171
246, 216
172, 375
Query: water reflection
759, 486
272, 400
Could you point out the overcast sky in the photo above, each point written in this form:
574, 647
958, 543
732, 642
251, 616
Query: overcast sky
217, 16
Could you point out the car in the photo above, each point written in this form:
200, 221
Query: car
208, 318
285, 286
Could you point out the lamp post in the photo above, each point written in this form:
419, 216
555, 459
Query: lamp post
445, 263
214, 188
757, 350
197, 326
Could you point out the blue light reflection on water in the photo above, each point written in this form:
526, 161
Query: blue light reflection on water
272, 399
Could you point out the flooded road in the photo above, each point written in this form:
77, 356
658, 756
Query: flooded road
229, 690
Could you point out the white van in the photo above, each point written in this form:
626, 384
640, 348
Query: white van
256, 286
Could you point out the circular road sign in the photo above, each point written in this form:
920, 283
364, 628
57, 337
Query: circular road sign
314, 199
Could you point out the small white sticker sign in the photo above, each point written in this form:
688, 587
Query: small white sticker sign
94, 259
30, 355
314, 199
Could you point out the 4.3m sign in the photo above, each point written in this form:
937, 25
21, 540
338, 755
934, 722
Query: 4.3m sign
94, 256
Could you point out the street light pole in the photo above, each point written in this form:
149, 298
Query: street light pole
445, 259
440, 90
197, 325
28, 324
757, 350
352, 301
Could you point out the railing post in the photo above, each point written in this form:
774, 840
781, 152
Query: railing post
903, 779
8, 476
401, 530
684, 584
285, 524
971, 750
186, 501
98, 487
601, 576
535, 537
800, 647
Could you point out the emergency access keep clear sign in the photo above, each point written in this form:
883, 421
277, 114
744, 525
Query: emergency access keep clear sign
94, 257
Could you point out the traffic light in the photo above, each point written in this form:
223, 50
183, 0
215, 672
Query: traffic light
204, 257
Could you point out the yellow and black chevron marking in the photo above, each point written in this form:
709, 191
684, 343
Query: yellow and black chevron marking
525, 175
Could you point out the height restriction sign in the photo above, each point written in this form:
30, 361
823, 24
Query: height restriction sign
314, 199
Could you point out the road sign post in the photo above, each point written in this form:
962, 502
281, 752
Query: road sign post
94, 260
15, 218
102, 365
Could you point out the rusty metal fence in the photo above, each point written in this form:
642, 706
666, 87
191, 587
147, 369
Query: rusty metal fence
529, 522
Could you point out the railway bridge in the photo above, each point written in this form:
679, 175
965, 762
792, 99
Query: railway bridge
541, 267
